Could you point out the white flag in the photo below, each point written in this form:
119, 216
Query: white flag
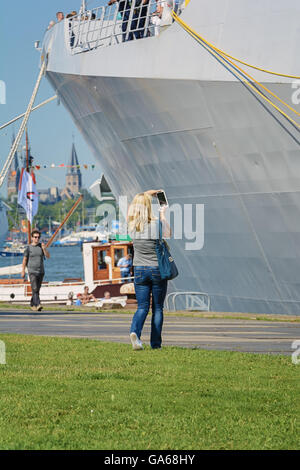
28, 195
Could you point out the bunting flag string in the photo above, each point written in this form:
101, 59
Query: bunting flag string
62, 165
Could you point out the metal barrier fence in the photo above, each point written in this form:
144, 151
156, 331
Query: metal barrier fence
189, 301
108, 25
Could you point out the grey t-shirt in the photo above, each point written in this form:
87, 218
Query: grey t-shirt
144, 245
35, 256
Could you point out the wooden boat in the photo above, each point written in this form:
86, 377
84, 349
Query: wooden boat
100, 274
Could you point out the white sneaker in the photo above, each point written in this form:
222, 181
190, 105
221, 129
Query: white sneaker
136, 343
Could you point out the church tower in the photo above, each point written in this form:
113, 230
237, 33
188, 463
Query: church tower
73, 176
13, 176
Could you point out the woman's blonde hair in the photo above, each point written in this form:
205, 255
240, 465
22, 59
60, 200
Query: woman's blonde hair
140, 212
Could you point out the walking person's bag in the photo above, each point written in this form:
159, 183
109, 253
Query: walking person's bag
167, 267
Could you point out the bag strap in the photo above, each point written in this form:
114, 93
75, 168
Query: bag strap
160, 229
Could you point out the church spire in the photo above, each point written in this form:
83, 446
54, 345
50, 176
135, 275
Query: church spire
73, 176
73, 163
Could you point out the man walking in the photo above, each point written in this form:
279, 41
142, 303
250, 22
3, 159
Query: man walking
34, 255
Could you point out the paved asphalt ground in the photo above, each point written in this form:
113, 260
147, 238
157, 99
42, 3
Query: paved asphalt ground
219, 334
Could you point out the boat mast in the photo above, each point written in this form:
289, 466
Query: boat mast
83, 6
27, 169
65, 219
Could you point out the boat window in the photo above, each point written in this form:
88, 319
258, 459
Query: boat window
101, 260
119, 253
130, 251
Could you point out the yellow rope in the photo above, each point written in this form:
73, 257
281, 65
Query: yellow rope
196, 36
252, 78
175, 16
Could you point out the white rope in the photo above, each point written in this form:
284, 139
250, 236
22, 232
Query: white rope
22, 127
33, 109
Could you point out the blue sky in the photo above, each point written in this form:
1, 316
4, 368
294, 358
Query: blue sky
51, 128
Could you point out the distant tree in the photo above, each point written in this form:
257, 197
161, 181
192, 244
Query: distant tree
56, 212
59, 210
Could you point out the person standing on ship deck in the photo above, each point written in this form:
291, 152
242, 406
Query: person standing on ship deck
162, 16
34, 260
72, 35
60, 16
144, 231
124, 10
140, 13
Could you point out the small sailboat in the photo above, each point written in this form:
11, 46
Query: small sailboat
12, 249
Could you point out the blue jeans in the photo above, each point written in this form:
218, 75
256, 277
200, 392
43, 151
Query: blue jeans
147, 281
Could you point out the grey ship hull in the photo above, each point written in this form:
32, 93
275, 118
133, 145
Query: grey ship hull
205, 141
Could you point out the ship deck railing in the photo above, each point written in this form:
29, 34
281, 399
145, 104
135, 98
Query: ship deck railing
105, 26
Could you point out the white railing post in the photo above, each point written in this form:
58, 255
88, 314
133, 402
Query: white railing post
147, 19
128, 29
80, 30
101, 20
113, 29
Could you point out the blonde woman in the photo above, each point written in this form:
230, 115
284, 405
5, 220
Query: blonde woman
143, 229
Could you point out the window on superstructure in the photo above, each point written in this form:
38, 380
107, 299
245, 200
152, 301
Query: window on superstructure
119, 253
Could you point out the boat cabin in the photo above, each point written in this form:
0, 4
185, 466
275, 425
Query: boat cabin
100, 261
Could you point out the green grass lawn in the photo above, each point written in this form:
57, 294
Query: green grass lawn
60, 393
